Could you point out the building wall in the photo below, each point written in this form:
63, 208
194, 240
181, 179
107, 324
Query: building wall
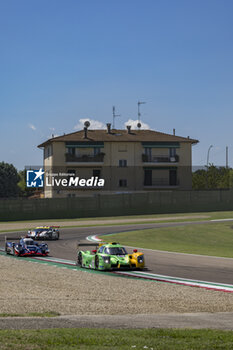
185, 166
113, 173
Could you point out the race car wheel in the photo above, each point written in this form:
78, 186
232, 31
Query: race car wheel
55, 236
6, 249
97, 262
80, 259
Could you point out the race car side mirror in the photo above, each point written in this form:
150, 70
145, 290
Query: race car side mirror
94, 251
135, 250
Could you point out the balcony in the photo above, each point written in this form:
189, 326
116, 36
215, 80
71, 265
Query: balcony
98, 158
159, 159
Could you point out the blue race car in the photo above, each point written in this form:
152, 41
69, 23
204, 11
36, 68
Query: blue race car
26, 247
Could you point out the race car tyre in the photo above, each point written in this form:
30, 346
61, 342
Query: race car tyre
6, 249
80, 259
97, 262
55, 236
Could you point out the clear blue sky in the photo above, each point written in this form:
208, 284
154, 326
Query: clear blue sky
62, 61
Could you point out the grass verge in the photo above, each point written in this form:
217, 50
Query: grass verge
209, 215
111, 339
111, 224
32, 314
215, 239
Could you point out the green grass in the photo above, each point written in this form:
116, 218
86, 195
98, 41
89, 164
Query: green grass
154, 218
32, 314
110, 339
109, 224
211, 215
214, 239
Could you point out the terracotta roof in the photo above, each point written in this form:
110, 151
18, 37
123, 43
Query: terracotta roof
119, 135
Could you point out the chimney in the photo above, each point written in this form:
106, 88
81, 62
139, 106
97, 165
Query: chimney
174, 132
108, 128
128, 128
85, 132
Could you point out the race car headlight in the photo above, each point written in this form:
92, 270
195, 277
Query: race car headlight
140, 259
106, 259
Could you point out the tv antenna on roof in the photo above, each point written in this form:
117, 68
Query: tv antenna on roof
114, 116
139, 114
87, 124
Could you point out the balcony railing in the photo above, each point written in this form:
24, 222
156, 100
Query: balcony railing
85, 158
159, 159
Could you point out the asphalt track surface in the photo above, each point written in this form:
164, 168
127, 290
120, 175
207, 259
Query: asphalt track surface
203, 268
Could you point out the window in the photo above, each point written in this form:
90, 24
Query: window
96, 151
72, 172
71, 150
123, 183
122, 163
147, 154
48, 151
101, 249
71, 195
172, 152
147, 177
115, 251
148, 151
96, 173
173, 177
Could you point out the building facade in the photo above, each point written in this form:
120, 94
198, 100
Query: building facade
127, 160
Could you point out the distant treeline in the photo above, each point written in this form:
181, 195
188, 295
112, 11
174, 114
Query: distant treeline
13, 182
212, 178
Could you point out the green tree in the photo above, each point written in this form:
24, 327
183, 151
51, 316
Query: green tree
24, 191
212, 178
8, 180
199, 180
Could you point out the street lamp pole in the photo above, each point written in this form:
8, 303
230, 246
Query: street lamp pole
208, 154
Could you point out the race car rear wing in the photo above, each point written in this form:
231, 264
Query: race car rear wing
88, 245
12, 238
47, 226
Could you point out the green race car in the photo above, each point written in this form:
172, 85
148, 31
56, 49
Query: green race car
109, 256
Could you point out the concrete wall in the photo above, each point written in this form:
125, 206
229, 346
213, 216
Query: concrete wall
116, 204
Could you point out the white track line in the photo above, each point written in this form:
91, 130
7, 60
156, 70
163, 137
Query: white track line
220, 220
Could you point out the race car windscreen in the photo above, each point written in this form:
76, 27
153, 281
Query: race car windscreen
115, 251
28, 242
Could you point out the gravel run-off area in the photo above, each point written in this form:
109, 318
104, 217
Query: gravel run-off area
27, 286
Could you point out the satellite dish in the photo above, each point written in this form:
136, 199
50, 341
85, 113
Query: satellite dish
87, 124
139, 125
